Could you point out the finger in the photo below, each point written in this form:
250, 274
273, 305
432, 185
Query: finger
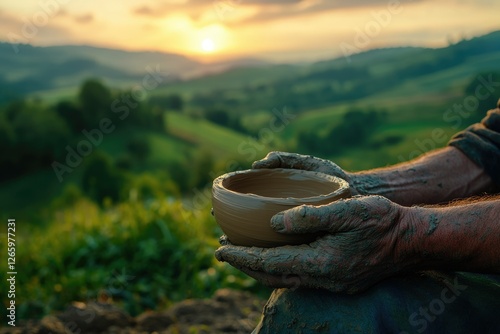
277, 159
340, 216
272, 160
298, 161
311, 219
273, 281
295, 281
298, 260
239, 256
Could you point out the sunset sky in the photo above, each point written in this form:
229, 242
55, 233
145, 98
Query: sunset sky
278, 30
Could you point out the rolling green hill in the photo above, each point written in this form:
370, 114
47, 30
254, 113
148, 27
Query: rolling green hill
59, 70
134, 202
414, 86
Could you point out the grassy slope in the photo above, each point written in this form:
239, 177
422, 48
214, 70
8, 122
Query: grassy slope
235, 78
186, 138
416, 108
219, 141
430, 93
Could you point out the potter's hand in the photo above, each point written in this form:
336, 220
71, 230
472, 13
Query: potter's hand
364, 243
304, 162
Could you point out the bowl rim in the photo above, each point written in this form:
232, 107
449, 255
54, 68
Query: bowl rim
343, 186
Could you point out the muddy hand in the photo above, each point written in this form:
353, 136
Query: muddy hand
364, 243
304, 162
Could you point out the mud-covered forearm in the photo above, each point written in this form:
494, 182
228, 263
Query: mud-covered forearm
437, 177
459, 238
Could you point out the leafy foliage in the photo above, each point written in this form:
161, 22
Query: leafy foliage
354, 129
142, 255
95, 100
101, 180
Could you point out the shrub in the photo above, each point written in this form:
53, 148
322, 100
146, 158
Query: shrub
101, 179
143, 256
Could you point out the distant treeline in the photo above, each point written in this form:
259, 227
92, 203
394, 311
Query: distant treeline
62, 136
325, 84
34, 134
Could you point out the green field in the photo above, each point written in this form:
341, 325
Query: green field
134, 202
200, 133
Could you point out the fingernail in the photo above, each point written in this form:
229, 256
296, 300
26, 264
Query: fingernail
278, 222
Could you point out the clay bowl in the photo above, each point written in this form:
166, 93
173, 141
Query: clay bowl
244, 202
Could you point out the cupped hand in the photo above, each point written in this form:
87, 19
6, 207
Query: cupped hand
365, 242
305, 162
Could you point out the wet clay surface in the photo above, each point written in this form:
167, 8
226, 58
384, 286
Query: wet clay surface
245, 201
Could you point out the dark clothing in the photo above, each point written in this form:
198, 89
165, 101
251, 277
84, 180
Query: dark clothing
461, 303
481, 143
430, 303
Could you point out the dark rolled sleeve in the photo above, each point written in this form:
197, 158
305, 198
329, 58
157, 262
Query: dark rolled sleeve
481, 143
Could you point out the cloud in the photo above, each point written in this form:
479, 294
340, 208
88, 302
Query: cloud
84, 19
288, 8
163, 8
272, 2
144, 10
17, 31
78, 18
9, 23
264, 10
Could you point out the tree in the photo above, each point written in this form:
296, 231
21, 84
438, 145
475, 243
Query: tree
218, 116
169, 102
139, 147
72, 114
175, 102
32, 138
101, 179
7, 147
40, 131
201, 167
95, 99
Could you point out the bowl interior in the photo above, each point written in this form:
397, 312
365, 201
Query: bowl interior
286, 184
245, 201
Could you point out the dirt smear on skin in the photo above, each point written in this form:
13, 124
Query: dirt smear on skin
433, 223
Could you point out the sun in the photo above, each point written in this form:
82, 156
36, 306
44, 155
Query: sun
208, 45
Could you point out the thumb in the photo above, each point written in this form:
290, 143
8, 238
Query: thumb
310, 219
272, 160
